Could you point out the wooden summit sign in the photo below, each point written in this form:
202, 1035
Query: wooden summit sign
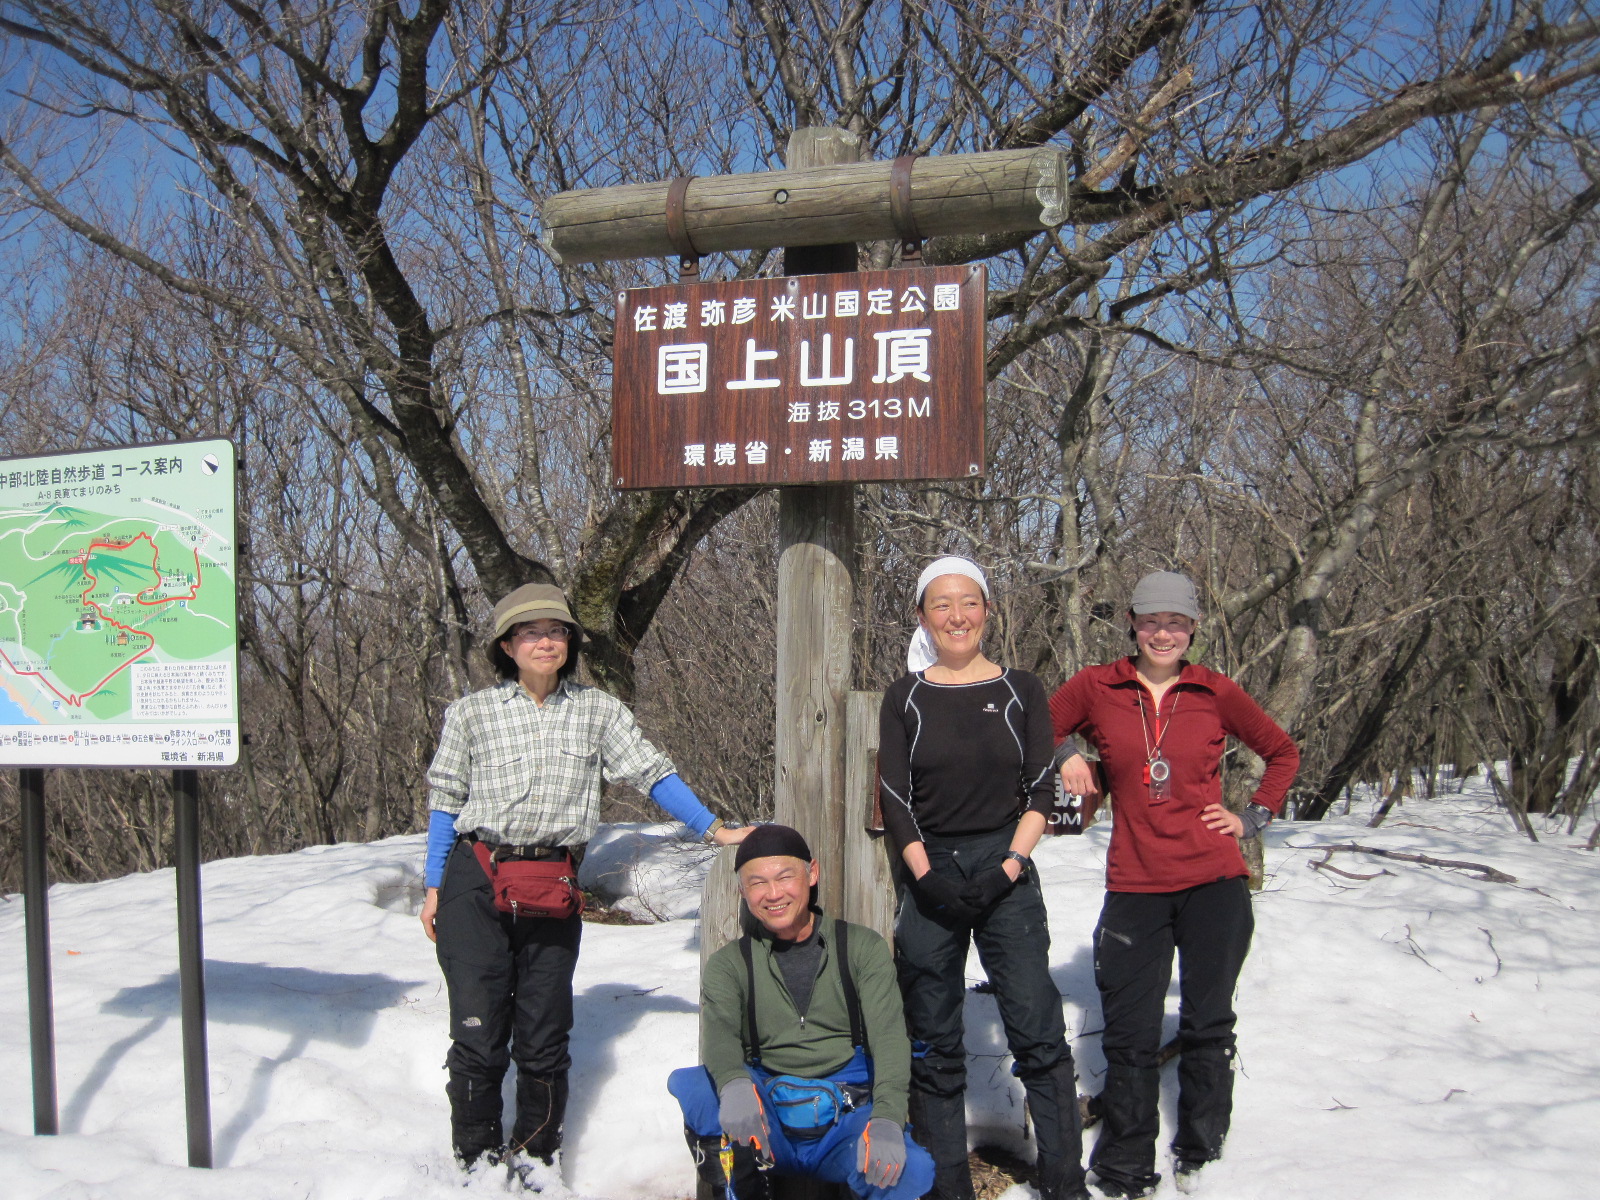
866, 375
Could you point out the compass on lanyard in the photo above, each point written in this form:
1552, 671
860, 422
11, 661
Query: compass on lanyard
1157, 770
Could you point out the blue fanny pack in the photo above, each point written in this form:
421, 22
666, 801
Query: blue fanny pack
808, 1108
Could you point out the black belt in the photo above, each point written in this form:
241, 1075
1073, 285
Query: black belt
506, 852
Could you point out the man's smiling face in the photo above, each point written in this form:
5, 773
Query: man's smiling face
777, 891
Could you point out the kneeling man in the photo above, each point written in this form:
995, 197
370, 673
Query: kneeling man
802, 1029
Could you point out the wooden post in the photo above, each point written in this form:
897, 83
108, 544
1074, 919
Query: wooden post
868, 873
816, 535
720, 908
816, 586
824, 755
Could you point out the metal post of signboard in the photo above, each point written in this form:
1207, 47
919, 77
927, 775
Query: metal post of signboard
36, 901
191, 966
135, 690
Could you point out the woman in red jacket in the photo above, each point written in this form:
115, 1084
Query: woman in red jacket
1175, 876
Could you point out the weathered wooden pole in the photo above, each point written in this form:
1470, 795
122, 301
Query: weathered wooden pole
866, 868
816, 712
816, 586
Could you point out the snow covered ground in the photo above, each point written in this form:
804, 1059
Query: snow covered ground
1422, 1033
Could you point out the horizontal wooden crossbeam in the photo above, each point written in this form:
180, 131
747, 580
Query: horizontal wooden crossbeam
998, 191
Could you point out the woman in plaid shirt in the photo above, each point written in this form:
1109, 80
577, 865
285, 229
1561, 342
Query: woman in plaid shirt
520, 767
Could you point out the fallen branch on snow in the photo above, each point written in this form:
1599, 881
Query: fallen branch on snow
1322, 864
1479, 871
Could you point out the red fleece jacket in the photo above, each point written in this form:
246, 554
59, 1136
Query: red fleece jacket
1163, 846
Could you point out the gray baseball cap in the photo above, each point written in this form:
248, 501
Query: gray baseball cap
1165, 591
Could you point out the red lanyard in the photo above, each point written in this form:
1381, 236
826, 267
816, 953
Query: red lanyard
1151, 753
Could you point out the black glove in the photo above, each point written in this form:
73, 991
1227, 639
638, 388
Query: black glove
944, 897
986, 887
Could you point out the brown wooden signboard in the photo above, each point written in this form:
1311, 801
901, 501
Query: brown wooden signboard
868, 375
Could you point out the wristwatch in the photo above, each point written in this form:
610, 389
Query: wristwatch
711, 830
1021, 858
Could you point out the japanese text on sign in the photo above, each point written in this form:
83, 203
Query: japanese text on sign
876, 375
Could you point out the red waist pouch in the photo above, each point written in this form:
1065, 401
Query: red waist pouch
543, 888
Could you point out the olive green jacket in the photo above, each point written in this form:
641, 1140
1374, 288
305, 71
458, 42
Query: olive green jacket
817, 1044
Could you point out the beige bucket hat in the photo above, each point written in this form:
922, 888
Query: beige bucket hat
532, 602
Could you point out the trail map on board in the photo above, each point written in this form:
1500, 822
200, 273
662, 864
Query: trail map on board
117, 608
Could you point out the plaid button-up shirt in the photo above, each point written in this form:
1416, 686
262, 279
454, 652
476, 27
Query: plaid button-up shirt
516, 771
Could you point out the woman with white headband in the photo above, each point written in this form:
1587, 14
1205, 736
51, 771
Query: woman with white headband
965, 762
1175, 877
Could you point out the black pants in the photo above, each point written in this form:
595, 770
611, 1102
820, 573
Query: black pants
1209, 926
1013, 940
510, 985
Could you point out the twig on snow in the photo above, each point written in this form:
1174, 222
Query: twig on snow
1411, 947
1497, 963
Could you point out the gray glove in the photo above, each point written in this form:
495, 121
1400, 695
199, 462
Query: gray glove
881, 1152
742, 1116
1256, 817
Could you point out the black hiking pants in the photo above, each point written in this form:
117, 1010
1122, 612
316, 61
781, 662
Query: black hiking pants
1013, 941
1209, 926
510, 985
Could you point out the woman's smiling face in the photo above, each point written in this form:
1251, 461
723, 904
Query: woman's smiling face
537, 647
1163, 637
954, 612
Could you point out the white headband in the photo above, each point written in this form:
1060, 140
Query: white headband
921, 655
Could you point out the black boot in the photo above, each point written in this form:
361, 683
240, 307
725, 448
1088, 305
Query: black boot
541, 1109
710, 1182
475, 1129
939, 1124
1057, 1127
1124, 1158
1205, 1104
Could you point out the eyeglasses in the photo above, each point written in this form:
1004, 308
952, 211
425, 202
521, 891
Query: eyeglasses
556, 633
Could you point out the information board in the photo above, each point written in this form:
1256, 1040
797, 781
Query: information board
869, 375
118, 643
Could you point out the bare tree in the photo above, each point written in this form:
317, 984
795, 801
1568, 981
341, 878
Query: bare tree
1321, 270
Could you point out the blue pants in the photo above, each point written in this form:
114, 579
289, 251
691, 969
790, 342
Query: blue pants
831, 1158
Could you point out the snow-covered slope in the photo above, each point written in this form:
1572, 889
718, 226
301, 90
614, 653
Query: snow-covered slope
1422, 1033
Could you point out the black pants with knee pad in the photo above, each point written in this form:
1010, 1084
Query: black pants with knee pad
1013, 941
1209, 927
510, 985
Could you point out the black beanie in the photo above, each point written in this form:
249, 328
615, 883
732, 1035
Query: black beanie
765, 841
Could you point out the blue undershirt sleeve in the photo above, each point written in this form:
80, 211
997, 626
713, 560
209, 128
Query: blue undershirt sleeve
441, 837
674, 795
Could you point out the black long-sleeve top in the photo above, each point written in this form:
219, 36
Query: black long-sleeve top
963, 758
